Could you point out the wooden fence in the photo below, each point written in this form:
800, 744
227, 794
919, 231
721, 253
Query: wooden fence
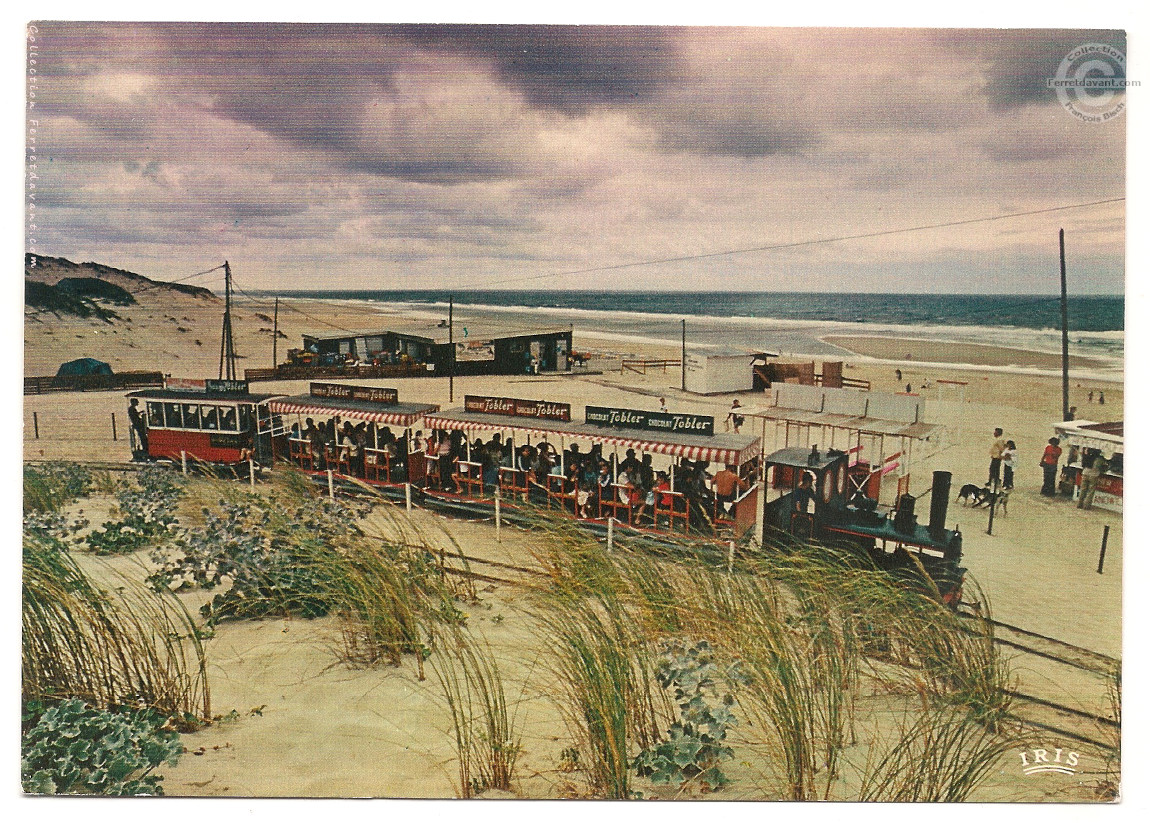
93, 382
641, 366
285, 372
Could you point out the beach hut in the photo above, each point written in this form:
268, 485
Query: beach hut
721, 371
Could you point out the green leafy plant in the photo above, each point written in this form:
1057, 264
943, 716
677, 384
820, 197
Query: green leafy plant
695, 742
148, 513
75, 748
48, 487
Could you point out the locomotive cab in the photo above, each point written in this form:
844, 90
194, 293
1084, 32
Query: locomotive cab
811, 497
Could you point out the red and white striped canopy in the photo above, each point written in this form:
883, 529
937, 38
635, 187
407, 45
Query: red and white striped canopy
397, 415
720, 448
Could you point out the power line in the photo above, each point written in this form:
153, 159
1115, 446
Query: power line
802, 243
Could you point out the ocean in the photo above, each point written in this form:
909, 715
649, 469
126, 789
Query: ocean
790, 323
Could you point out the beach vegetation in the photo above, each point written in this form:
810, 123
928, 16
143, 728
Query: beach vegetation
71, 747
114, 646
485, 733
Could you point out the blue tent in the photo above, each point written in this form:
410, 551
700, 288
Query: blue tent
83, 366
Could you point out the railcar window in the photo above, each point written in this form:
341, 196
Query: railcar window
227, 418
191, 416
155, 414
172, 416
245, 418
210, 418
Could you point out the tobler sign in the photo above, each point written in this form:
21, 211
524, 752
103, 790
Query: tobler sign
651, 421
342, 391
206, 386
511, 407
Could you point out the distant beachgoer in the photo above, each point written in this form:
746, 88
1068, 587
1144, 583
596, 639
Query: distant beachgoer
908, 388
1049, 464
1073, 412
663, 405
997, 447
139, 422
734, 419
898, 375
1009, 454
1101, 399
1090, 397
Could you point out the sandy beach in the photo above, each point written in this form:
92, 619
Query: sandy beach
326, 730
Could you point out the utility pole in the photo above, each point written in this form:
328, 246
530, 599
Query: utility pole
276, 334
1065, 330
227, 344
684, 358
451, 348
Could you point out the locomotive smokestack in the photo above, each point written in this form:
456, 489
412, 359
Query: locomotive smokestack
939, 500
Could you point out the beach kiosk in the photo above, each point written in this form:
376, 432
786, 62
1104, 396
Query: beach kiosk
357, 431
1084, 441
683, 447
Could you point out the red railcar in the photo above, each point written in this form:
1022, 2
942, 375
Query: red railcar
222, 424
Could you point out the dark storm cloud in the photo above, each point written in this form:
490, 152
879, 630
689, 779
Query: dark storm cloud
567, 68
1021, 61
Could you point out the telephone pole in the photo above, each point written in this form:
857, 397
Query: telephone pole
227, 344
1065, 330
276, 334
684, 359
451, 348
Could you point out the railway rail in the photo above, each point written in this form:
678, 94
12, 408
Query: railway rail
1016, 638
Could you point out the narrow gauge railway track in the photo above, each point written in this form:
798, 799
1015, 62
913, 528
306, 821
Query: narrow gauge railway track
1017, 638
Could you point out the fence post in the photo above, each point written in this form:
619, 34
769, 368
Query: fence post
1102, 552
36, 425
183, 463
330, 485
610, 533
498, 517
730, 556
407, 496
252, 472
114, 427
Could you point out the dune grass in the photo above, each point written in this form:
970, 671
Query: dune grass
485, 734
812, 627
131, 647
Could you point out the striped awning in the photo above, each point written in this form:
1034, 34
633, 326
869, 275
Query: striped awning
401, 414
735, 449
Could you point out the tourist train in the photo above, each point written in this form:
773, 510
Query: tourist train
658, 474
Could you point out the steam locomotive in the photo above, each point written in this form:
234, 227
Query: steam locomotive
843, 514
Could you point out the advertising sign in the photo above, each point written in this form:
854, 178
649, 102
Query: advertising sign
651, 421
342, 391
512, 407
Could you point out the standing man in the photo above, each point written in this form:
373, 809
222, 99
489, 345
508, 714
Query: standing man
1049, 465
997, 447
139, 423
1090, 481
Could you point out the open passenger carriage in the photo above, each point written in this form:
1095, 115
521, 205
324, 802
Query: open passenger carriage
665, 473
355, 431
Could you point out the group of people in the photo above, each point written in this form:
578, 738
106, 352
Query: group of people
335, 441
1003, 454
595, 482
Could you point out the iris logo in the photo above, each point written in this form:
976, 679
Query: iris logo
1037, 761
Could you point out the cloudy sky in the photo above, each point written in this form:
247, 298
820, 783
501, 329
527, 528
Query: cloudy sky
555, 157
